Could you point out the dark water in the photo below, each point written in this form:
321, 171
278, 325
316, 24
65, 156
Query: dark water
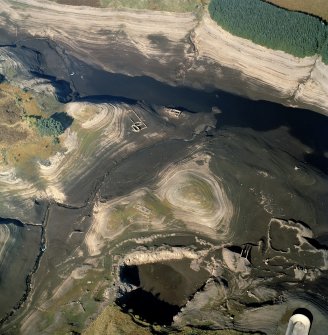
74, 79
308, 127
130, 274
142, 303
11, 221
148, 307
162, 289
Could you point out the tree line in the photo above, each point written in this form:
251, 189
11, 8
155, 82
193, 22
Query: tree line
296, 33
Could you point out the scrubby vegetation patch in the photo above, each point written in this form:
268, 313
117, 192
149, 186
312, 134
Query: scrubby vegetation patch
52, 126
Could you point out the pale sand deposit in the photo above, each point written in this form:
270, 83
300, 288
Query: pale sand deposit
314, 90
153, 256
105, 126
103, 228
82, 28
15, 188
196, 195
113, 218
91, 116
9, 64
4, 241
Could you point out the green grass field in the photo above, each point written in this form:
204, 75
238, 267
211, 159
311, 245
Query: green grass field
315, 7
162, 5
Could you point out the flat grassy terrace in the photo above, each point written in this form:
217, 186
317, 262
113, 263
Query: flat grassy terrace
160, 5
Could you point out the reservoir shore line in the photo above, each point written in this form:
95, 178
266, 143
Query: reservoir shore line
186, 45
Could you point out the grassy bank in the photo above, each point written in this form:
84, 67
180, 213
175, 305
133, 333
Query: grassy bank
164, 5
296, 33
159, 5
113, 321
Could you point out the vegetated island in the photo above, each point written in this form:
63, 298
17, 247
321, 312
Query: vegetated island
296, 33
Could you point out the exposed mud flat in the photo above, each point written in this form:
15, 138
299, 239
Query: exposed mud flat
217, 218
267, 302
187, 195
16, 239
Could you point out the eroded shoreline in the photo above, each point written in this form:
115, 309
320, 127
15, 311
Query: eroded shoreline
179, 42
